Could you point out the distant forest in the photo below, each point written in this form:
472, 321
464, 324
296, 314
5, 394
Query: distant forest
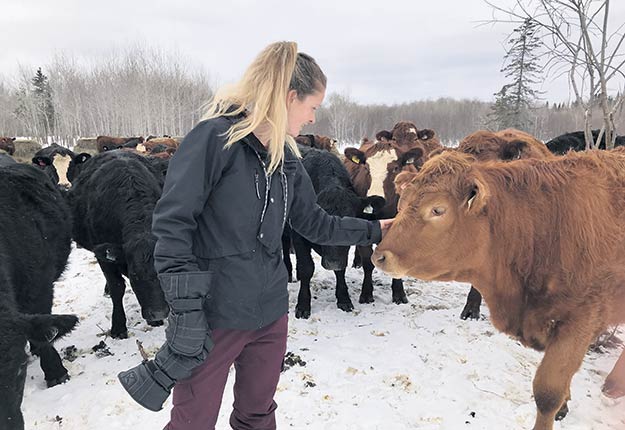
142, 92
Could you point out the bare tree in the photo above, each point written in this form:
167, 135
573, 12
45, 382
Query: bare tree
581, 46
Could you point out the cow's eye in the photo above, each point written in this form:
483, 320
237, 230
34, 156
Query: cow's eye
437, 211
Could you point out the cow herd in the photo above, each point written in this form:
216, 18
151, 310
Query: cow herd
537, 229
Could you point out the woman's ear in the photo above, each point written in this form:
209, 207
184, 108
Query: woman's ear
290, 97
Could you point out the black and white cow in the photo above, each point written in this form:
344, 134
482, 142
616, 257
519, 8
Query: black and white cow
35, 238
112, 202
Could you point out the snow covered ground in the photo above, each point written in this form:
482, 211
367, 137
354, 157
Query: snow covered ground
383, 366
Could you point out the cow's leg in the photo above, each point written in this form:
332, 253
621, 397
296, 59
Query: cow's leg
50, 361
357, 263
399, 295
343, 302
472, 307
552, 383
117, 288
614, 385
305, 267
286, 251
366, 293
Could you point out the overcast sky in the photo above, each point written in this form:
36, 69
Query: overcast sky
381, 51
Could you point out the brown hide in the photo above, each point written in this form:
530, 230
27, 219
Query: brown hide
410, 161
355, 162
108, 143
155, 142
7, 145
542, 240
509, 144
317, 141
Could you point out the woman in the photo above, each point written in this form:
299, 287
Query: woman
230, 188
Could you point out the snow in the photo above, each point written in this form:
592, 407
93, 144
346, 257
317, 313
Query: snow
382, 366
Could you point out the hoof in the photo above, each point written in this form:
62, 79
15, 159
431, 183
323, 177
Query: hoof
612, 389
347, 307
156, 323
120, 335
401, 300
562, 412
366, 299
56, 381
302, 313
470, 313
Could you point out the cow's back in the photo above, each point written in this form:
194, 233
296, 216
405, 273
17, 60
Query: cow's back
114, 189
35, 235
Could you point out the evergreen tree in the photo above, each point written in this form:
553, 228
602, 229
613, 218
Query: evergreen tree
42, 94
515, 100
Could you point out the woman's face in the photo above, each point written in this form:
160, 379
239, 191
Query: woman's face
302, 112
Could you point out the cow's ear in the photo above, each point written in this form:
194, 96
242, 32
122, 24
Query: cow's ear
376, 202
513, 150
413, 156
403, 180
108, 252
82, 158
425, 134
355, 155
477, 196
47, 328
42, 161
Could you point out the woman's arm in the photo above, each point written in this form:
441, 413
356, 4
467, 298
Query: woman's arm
192, 173
313, 223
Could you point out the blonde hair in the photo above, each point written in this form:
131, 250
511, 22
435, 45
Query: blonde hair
261, 94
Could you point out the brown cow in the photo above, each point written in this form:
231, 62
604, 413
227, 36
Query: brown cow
505, 145
108, 143
7, 145
359, 174
542, 240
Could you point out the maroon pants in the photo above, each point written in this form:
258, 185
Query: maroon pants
257, 356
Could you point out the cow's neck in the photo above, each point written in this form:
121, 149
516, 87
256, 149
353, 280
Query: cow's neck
503, 294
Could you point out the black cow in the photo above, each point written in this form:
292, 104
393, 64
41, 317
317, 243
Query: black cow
112, 201
336, 195
577, 142
35, 239
6, 160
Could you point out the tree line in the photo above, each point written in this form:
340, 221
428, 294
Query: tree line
142, 92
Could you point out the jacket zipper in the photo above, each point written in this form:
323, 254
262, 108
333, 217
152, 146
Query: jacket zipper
256, 183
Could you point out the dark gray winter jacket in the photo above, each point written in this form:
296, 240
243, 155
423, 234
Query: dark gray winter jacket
218, 216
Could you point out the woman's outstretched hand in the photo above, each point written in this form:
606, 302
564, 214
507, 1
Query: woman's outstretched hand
385, 224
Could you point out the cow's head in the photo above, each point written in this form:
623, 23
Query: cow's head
440, 222
404, 133
505, 145
16, 330
135, 258
76, 165
6, 144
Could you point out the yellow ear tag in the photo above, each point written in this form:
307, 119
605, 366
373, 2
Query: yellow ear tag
356, 159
